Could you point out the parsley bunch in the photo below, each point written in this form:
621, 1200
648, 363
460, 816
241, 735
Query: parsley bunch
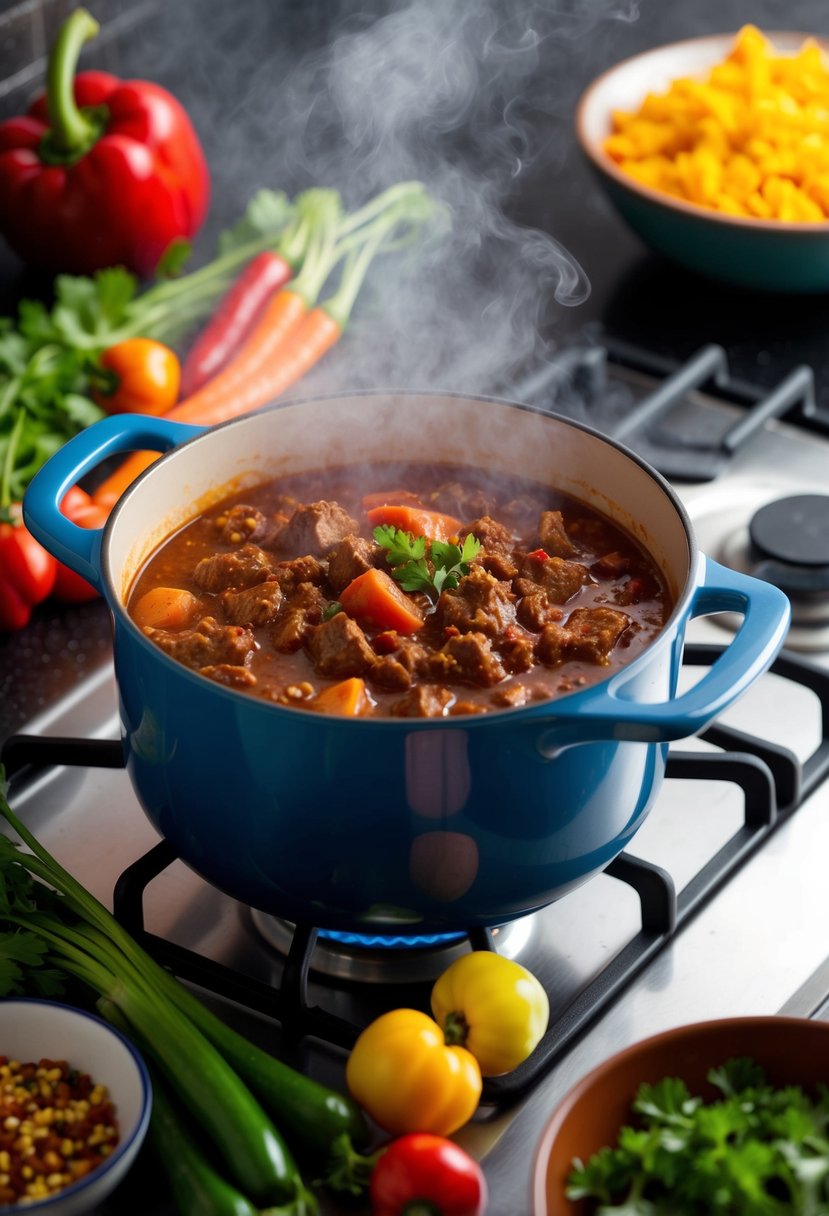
48, 354
756, 1151
421, 565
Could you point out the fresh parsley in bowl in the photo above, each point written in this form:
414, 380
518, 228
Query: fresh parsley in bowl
729, 1116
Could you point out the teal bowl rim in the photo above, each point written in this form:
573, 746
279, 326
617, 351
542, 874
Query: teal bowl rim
608, 167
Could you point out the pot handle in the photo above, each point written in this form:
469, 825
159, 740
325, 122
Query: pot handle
608, 714
80, 548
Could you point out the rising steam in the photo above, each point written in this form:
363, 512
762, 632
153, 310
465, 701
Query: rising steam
451, 92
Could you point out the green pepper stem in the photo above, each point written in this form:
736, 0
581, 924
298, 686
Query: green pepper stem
455, 1029
71, 131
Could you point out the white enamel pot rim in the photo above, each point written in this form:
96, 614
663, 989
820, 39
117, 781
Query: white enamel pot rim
484, 433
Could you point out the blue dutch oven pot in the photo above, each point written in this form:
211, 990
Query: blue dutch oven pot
398, 825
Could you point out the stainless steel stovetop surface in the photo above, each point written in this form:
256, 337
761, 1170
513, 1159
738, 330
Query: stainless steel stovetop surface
752, 949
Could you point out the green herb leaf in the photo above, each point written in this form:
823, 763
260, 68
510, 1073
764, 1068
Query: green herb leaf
266, 214
174, 258
421, 565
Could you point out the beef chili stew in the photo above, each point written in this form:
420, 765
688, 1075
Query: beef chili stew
402, 591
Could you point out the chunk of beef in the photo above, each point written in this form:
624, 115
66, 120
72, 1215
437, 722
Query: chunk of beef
390, 673
401, 660
350, 557
560, 579
423, 701
207, 644
479, 603
256, 605
611, 565
517, 650
521, 512
230, 675
298, 570
464, 502
499, 565
241, 523
316, 527
468, 658
494, 536
340, 649
553, 535
535, 610
299, 615
222, 571
588, 634
498, 543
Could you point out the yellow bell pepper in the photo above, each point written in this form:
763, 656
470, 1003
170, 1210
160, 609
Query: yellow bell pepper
404, 1075
494, 1007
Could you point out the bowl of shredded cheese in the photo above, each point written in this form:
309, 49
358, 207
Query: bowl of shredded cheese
715, 151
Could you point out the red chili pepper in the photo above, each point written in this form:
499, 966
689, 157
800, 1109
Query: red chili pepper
77, 505
426, 1173
234, 318
540, 555
104, 173
27, 573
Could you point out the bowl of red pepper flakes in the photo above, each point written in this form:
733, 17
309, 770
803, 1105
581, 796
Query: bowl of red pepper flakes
75, 1102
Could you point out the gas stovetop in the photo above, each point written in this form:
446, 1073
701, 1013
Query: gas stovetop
717, 909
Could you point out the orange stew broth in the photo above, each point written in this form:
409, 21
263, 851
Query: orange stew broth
508, 637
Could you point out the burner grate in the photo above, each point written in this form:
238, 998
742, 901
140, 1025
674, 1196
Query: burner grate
773, 783
659, 425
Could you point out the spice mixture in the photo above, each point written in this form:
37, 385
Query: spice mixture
56, 1126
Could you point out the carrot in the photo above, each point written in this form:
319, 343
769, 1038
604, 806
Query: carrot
432, 524
381, 498
349, 698
375, 597
234, 318
247, 382
290, 335
165, 608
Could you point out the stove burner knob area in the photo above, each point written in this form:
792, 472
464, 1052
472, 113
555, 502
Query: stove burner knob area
790, 542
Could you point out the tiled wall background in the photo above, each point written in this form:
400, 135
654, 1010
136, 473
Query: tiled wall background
27, 28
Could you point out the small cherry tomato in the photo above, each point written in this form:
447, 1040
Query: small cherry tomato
144, 377
494, 1007
422, 1173
404, 1075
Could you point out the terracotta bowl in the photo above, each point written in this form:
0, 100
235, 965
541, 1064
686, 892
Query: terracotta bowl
771, 255
791, 1050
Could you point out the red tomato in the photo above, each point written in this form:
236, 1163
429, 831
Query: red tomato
427, 1170
27, 573
76, 505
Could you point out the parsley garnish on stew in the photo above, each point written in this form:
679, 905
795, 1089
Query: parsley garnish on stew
418, 564
758, 1150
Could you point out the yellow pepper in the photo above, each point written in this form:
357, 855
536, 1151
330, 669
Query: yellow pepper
143, 377
404, 1075
751, 139
494, 1007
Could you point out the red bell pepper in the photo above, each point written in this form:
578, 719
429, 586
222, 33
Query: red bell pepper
100, 172
27, 572
425, 1175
